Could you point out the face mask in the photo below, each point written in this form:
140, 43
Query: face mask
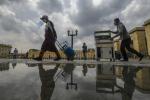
40, 23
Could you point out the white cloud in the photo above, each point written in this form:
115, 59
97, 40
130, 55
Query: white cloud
97, 2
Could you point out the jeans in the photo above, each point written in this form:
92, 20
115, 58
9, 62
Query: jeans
125, 44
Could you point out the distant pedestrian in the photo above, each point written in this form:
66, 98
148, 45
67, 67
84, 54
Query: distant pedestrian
84, 50
50, 39
15, 53
126, 40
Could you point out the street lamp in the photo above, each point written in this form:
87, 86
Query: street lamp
71, 84
72, 35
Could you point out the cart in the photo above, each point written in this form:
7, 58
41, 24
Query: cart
68, 51
104, 46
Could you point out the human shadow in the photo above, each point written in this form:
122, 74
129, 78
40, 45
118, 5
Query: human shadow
47, 80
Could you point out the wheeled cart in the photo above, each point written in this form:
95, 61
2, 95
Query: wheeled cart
68, 51
104, 46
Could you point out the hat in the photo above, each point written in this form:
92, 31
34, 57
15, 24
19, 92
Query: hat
116, 19
44, 17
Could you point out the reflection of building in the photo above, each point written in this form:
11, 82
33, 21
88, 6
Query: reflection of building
143, 79
105, 79
4, 66
91, 65
139, 39
50, 55
5, 50
118, 71
147, 31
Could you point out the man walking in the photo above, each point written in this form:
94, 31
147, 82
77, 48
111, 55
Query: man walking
84, 50
15, 54
126, 40
50, 39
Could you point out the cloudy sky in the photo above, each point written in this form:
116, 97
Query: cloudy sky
19, 19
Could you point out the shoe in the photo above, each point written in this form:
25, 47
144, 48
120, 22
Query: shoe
37, 59
56, 59
123, 60
141, 57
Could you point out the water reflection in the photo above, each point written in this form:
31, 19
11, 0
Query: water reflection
14, 65
129, 75
4, 66
85, 69
47, 79
68, 69
58, 81
105, 79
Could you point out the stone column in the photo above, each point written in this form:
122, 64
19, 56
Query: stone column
147, 31
117, 45
139, 39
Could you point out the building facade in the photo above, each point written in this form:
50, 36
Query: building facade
147, 31
139, 39
5, 50
33, 53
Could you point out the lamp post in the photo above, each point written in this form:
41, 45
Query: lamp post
72, 35
71, 84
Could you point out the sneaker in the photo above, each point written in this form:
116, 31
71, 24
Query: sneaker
141, 57
37, 59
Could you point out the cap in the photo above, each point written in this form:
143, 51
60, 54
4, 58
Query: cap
116, 19
44, 17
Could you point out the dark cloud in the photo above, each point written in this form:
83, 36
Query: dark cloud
2, 2
50, 6
88, 14
10, 25
19, 17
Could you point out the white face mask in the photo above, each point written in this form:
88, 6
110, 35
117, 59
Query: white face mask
40, 23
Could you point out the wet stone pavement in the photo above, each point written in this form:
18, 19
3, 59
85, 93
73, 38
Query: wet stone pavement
39, 81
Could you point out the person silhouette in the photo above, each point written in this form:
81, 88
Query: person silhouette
47, 80
126, 40
84, 50
50, 39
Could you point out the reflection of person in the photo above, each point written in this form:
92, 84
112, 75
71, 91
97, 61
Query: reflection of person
126, 40
68, 68
84, 50
48, 83
14, 65
85, 69
129, 82
50, 39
